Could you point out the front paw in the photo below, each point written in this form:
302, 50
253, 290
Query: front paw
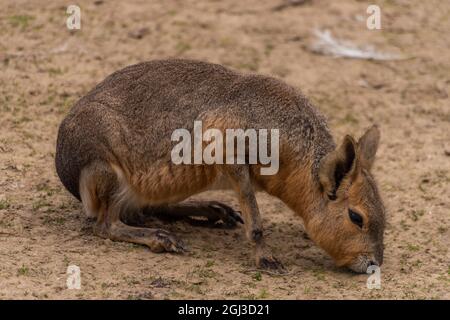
229, 217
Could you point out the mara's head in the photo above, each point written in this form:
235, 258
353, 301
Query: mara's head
350, 224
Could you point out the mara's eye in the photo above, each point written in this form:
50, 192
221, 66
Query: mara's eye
355, 218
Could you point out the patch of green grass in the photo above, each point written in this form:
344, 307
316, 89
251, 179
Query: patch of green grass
416, 214
209, 263
172, 12
257, 276
21, 21
349, 119
55, 71
134, 246
268, 48
5, 102
249, 66
319, 274
66, 104
417, 263
404, 225
22, 119
412, 247
4, 204
182, 47
49, 100
227, 42
23, 271
263, 294
132, 281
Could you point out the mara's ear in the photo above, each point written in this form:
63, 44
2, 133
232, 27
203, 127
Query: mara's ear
367, 147
338, 165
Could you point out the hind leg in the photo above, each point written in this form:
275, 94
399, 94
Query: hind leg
158, 240
103, 196
213, 211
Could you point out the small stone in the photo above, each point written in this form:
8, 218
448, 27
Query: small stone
138, 34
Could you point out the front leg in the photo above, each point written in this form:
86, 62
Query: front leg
239, 176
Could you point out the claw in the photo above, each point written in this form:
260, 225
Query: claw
237, 216
171, 243
227, 215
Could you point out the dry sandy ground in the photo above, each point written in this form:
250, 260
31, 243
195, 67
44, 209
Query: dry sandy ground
44, 68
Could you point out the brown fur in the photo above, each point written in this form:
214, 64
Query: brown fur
113, 153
